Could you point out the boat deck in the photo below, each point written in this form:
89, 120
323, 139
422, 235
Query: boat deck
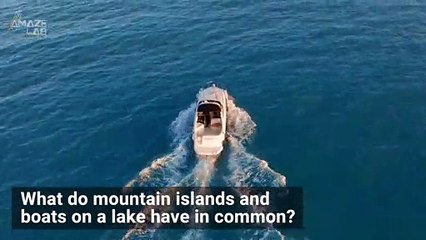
211, 131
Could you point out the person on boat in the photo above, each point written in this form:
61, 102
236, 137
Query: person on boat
207, 119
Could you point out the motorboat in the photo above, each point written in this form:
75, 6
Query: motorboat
210, 121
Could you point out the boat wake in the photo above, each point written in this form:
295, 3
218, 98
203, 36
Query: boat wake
171, 169
247, 170
181, 168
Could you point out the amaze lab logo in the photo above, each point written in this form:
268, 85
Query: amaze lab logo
36, 27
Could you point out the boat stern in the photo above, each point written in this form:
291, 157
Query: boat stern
208, 146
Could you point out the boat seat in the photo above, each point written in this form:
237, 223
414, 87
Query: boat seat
200, 119
216, 122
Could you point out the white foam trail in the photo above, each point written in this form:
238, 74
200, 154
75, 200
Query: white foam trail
195, 234
239, 123
272, 234
262, 235
181, 127
163, 171
250, 171
246, 169
203, 172
167, 170
200, 176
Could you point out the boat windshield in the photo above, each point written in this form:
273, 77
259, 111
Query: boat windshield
208, 107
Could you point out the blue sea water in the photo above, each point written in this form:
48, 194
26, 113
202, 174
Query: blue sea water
336, 92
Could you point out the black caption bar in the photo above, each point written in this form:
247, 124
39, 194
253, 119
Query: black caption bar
149, 208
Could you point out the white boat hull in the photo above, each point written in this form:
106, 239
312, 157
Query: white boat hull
210, 122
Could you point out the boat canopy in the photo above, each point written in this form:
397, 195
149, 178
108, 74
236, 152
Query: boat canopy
208, 107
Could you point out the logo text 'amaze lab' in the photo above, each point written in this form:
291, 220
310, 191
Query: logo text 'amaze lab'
36, 27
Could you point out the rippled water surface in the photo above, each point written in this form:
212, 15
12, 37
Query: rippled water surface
329, 95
